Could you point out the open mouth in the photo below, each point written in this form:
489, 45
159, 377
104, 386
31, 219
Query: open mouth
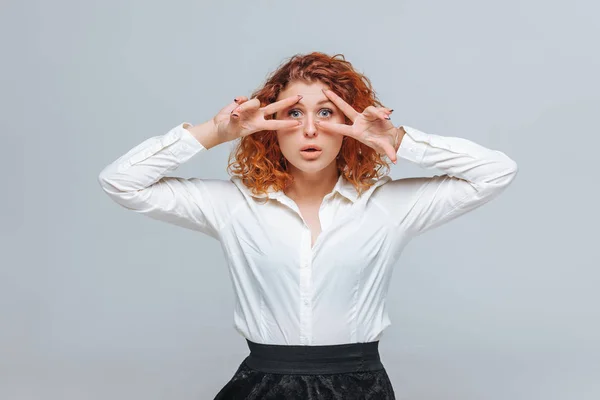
311, 149
311, 153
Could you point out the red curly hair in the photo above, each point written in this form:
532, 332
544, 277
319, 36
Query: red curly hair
258, 160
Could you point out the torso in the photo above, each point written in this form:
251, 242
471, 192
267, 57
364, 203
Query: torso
310, 213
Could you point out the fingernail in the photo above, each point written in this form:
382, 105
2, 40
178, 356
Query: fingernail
387, 118
236, 99
392, 111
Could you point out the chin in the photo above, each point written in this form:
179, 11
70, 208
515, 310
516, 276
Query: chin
311, 165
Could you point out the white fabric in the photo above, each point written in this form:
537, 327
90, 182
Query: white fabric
285, 291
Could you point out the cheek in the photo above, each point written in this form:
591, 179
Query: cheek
337, 140
283, 142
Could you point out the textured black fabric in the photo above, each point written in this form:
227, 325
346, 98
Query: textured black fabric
249, 384
332, 372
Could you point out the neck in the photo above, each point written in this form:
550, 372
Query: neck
309, 187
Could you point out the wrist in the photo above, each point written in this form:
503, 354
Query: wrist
399, 135
205, 133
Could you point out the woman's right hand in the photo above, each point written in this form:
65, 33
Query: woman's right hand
244, 117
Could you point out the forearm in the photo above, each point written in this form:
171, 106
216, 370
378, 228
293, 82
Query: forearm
148, 162
458, 157
205, 133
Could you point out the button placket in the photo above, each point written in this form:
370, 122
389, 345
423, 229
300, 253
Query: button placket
305, 289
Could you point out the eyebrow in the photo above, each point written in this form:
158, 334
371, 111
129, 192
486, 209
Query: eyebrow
320, 102
298, 103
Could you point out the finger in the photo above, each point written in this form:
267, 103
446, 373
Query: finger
230, 107
378, 113
331, 127
281, 104
373, 114
276, 124
386, 113
237, 101
253, 104
346, 108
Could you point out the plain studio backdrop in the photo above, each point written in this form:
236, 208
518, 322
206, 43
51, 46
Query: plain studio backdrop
98, 302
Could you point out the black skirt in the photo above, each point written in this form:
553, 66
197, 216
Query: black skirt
342, 371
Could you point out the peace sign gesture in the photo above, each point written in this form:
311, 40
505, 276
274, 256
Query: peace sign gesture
371, 127
244, 117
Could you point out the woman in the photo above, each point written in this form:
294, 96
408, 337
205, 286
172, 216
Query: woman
310, 236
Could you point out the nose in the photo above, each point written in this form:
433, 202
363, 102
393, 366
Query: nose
310, 129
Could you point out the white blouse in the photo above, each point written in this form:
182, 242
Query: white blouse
287, 292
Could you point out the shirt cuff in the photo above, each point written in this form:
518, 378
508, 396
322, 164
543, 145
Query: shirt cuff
182, 143
413, 145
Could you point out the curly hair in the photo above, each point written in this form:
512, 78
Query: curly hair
257, 158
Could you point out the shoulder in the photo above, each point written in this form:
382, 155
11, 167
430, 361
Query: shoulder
220, 192
391, 194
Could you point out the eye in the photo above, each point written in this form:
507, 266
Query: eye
292, 111
328, 110
295, 110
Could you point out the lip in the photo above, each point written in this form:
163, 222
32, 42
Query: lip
311, 146
311, 155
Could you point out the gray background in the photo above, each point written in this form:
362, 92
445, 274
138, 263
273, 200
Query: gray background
97, 302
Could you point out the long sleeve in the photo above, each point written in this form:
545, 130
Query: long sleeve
137, 182
472, 176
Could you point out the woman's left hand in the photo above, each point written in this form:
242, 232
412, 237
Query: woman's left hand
371, 127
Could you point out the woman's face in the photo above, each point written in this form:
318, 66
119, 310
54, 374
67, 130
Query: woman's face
314, 106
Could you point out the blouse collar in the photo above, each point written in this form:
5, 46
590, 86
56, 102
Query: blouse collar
342, 186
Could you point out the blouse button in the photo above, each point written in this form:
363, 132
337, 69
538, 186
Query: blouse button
305, 302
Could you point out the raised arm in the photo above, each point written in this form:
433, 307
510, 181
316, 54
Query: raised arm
472, 176
137, 180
